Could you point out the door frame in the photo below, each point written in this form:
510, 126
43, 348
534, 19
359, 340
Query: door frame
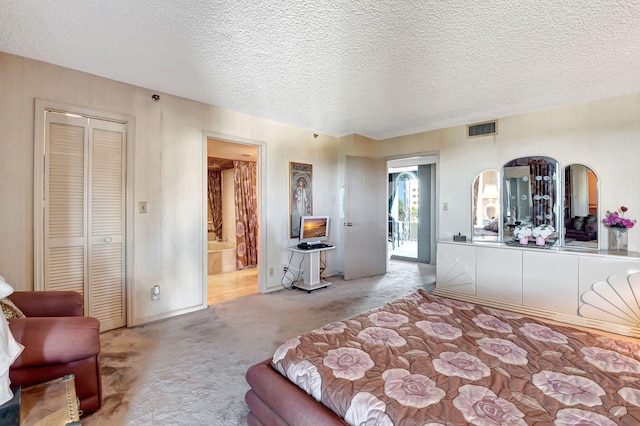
261, 186
42, 106
417, 159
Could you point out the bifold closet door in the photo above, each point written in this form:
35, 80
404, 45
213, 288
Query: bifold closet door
106, 222
84, 209
65, 188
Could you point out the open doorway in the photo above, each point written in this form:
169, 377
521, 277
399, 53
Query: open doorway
232, 220
410, 208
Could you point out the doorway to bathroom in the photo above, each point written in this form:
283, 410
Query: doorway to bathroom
232, 220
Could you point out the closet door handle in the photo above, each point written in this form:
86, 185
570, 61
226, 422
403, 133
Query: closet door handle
108, 240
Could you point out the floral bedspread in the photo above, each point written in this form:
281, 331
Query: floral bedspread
427, 360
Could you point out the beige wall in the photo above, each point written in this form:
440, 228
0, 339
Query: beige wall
169, 172
169, 175
603, 134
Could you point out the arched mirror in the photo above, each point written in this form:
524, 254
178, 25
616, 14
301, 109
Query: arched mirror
486, 206
530, 188
580, 207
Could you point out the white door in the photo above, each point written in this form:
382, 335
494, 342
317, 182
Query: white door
365, 222
84, 213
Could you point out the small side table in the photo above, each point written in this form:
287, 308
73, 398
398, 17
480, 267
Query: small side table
312, 280
50, 403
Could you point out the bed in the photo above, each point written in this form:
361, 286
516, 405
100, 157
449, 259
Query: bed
428, 360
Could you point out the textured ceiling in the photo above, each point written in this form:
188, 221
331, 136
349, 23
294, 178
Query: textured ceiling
379, 68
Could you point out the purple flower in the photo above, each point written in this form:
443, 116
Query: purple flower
617, 220
627, 223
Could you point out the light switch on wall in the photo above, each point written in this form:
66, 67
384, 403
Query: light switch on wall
445, 206
142, 207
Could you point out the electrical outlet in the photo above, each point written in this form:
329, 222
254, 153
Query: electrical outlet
155, 292
271, 271
285, 268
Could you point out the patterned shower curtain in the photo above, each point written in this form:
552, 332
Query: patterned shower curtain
215, 202
246, 214
542, 193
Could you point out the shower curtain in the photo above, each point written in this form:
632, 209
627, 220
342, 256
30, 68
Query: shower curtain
542, 192
246, 214
215, 202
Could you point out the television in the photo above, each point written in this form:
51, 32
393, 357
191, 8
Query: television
314, 229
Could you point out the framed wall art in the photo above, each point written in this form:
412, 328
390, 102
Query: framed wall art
301, 200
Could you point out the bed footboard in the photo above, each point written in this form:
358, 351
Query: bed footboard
274, 400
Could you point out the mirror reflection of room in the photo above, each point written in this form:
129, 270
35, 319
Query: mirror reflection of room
529, 193
580, 207
486, 206
518, 194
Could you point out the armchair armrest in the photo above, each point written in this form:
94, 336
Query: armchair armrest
49, 303
49, 341
591, 229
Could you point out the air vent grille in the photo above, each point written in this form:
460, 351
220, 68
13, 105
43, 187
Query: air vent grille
482, 129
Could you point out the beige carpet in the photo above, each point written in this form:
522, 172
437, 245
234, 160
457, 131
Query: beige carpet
190, 370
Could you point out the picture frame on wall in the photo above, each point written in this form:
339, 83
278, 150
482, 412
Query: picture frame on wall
300, 195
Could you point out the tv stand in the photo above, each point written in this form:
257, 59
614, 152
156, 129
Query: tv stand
312, 280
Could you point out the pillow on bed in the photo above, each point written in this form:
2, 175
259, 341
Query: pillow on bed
10, 310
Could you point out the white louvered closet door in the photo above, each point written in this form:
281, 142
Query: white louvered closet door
84, 213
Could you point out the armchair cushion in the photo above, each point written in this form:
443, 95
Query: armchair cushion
58, 340
582, 228
578, 223
50, 341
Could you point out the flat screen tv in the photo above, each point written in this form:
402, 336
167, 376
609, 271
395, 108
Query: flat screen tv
314, 229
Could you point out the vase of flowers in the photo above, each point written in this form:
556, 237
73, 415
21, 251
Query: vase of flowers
618, 226
542, 232
522, 233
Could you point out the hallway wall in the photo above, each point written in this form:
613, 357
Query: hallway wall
170, 165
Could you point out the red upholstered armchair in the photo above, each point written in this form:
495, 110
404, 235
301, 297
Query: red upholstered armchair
58, 340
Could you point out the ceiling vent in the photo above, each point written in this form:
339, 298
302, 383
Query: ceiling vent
482, 129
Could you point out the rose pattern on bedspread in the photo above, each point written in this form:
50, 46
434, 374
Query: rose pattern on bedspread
505, 350
306, 376
480, 405
610, 361
366, 409
461, 364
348, 363
427, 360
570, 390
413, 390
382, 336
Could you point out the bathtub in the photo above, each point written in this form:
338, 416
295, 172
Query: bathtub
221, 257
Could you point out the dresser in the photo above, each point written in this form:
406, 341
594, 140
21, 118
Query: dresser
595, 289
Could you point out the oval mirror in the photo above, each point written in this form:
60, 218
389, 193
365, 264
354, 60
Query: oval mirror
530, 188
580, 207
486, 206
